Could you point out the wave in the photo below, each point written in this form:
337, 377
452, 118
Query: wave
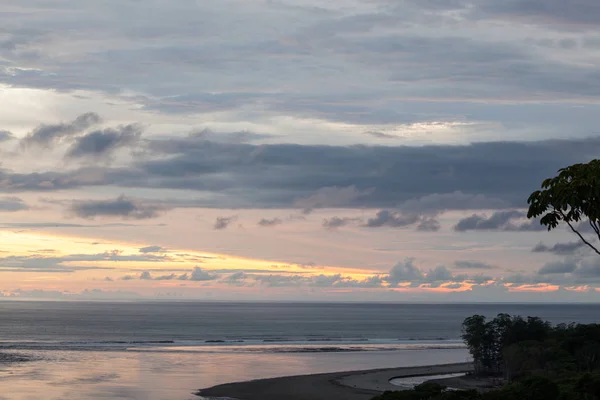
265, 345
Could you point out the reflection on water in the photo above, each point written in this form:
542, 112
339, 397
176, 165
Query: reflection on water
175, 376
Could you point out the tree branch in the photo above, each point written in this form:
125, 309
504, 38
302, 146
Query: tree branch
578, 234
595, 227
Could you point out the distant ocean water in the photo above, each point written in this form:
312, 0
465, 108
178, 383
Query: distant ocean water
168, 350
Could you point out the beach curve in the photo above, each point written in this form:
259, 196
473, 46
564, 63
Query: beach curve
347, 385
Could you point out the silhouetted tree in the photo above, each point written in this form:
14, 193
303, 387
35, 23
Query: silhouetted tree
572, 196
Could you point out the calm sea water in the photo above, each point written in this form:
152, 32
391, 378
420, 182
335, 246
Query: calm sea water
168, 350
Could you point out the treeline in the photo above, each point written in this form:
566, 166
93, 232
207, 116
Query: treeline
513, 347
572, 387
535, 359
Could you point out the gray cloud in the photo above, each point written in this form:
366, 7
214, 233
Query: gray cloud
42, 263
270, 222
152, 249
473, 265
405, 271
122, 207
500, 220
333, 196
198, 274
6, 136
272, 176
223, 222
145, 276
391, 219
337, 222
104, 142
452, 201
548, 12
12, 204
561, 267
46, 135
559, 248
429, 225
381, 135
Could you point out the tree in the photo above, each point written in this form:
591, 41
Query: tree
570, 197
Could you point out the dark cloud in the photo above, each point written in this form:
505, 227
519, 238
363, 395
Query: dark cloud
269, 176
473, 265
559, 248
429, 225
46, 135
12, 204
561, 267
223, 222
152, 249
391, 219
104, 142
270, 222
122, 207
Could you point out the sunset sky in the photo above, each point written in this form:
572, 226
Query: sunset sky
346, 150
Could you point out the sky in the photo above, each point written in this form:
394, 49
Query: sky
272, 150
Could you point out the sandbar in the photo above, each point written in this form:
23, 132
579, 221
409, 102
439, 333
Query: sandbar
348, 385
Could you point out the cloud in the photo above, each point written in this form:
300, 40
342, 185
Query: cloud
473, 265
198, 274
46, 135
381, 135
559, 248
386, 218
429, 225
546, 12
405, 271
146, 276
561, 267
329, 197
5, 136
362, 176
122, 207
270, 222
12, 204
223, 222
152, 249
500, 220
337, 222
104, 142
456, 200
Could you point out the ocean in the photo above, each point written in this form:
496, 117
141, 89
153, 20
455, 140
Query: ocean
168, 350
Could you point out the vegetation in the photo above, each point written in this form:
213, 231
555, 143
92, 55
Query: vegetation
571, 197
536, 361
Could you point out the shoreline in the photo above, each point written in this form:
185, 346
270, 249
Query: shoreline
347, 385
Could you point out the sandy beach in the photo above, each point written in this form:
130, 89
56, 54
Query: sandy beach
349, 385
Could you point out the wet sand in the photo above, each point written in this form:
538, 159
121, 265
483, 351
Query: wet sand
353, 385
